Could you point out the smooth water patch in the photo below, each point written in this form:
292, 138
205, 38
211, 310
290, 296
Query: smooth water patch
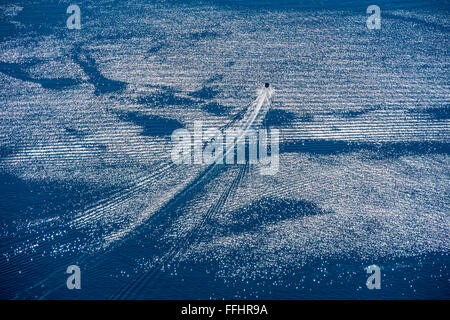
277, 117
380, 150
102, 84
17, 70
152, 125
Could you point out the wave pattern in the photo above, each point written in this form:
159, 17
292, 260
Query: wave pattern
85, 170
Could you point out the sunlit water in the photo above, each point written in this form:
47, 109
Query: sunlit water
86, 176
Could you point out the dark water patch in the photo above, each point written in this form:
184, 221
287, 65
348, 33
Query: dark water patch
6, 151
24, 207
147, 242
382, 150
277, 117
153, 126
206, 93
437, 113
7, 30
16, 70
164, 99
44, 17
253, 274
423, 276
264, 212
215, 108
102, 84
57, 83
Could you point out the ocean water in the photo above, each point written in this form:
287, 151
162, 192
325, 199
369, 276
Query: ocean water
87, 179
